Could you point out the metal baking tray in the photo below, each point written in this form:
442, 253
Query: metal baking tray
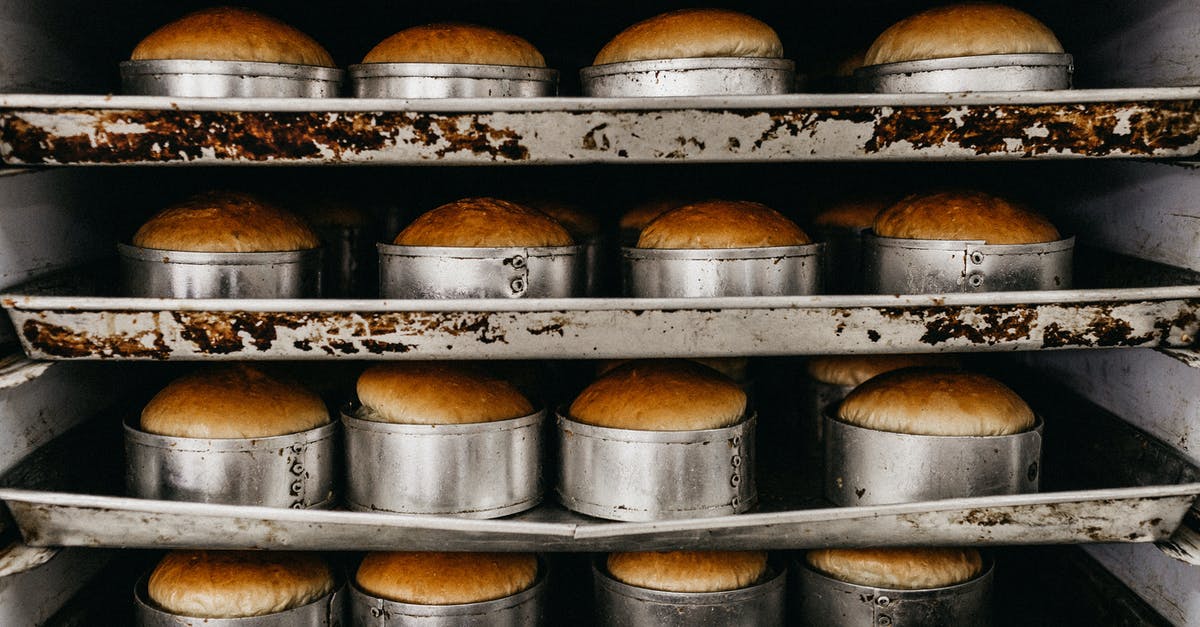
1122, 303
75, 130
1108, 482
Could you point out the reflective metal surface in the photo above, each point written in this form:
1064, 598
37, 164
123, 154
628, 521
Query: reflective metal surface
348, 268
715, 76
476, 470
154, 273
623, 474
823, 601
870, 467
523, 609
187, 78
991, 72
815, 398
708, 273
450, 80
299, 470
919, 266
446, 272
327, 611
619, 604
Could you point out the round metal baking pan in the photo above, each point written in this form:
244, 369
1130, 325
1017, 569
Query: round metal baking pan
717, 272
709, 76
924, 266
327, 611
195, 78
986, 72
462, 272
155, 273
451, 80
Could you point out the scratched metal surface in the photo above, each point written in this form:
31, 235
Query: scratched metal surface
62, 130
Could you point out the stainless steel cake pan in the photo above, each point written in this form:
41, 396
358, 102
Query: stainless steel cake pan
823, 601
722, 272
815, 398
871, 467
632, 475
715, 76
523, 609
920, 266
155, 273
297, 470
458, 272
327, 611
195, 78
451, 80
475, 470
619, 604
987, 72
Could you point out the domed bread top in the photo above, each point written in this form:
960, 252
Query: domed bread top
437, 393
962, 30
455, 43
721, 224
845, 69
899, 569
232, 402
973, 216
579, 223
237, 584
225, 222
446, 578
926, 401
484, 223
231, 34
689, 571
661, 395
691, 33
855, 369
643, 213
853, 214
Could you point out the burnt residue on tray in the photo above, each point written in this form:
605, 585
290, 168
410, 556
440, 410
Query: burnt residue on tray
59, 341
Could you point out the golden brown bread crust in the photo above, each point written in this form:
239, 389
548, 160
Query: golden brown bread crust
899, 569
579, 223
689, 571
236, 401
964, 216
929, 401
661, 395
690, 33
484, 223
225, 222
446, 578
962, 30
231, 34
721, 224
845, 69
437, 393
852, 214
644, 213
237, 584
855, 369
455, 43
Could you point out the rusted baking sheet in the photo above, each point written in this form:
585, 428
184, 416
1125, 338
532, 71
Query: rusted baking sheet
89, 327
70, 130
1118, 515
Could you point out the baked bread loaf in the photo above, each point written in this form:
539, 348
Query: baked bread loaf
962, 30
689, 571
691, 33
852, 214
237, 584
484, 223
579, 223
855, 369
899, 569
231, 34
661, 395
721, 224
928, 401
437, 393
232, 402
446, 578
455, 43
644, 213
964, 216
225, 222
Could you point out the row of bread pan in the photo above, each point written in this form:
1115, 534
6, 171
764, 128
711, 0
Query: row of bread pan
889, 266
651, 78
790, 592
494, 469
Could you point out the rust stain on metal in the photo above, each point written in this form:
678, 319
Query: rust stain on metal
981, 324
156, 136
985, 518
64, 342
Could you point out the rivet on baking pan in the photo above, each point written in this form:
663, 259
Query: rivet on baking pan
735, 480
977, 257
737, 441
736, 461
517, 285
517, 262
1033, 471
884, 621
975, 280
883, 601
735, 502
297, 468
